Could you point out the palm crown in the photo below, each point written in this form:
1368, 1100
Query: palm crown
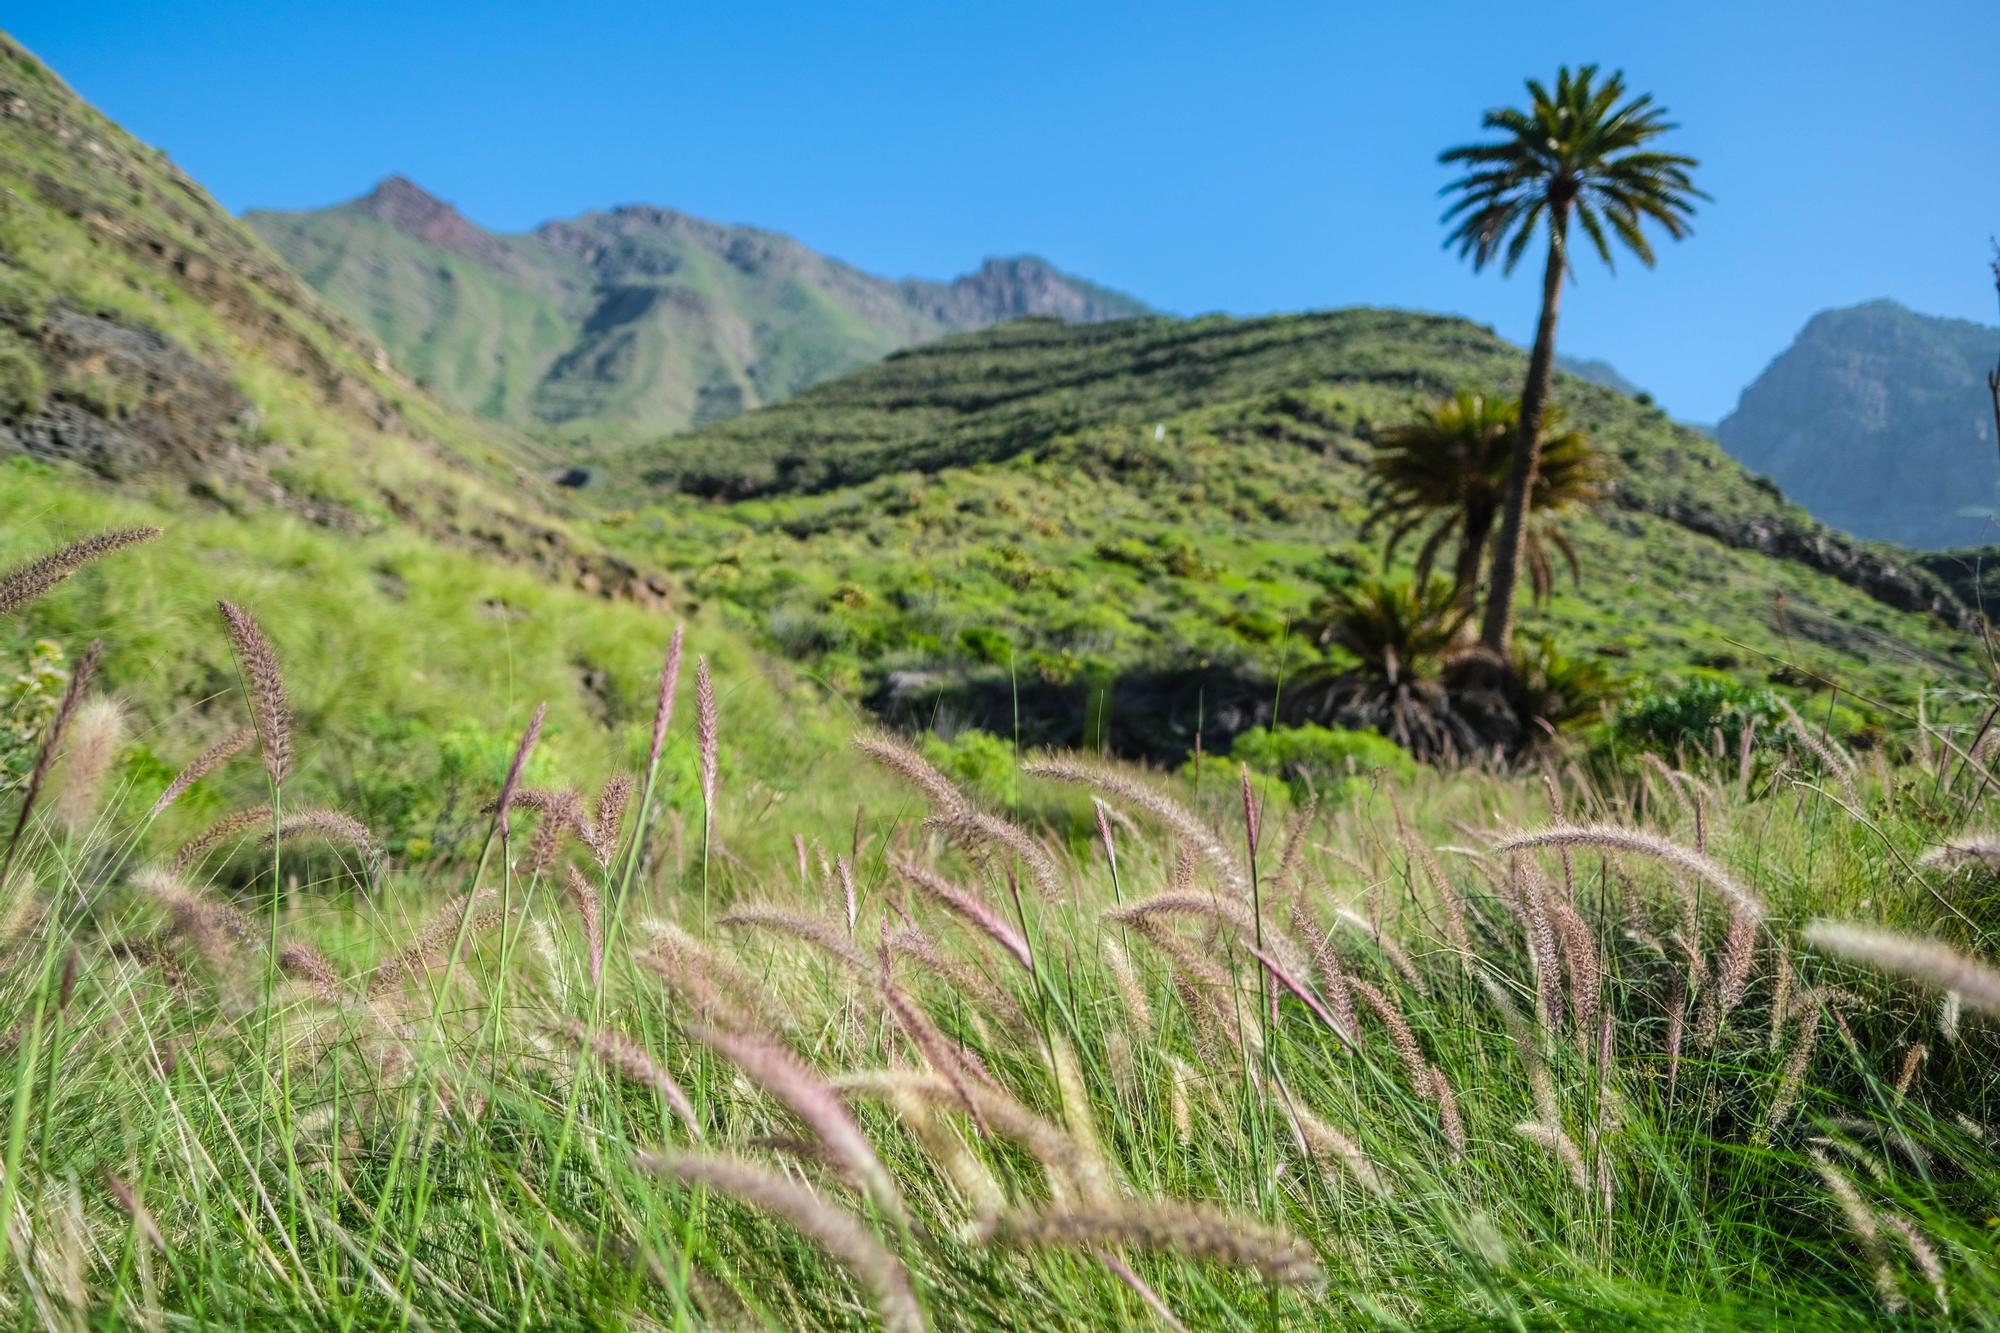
1576, 150
1449, 467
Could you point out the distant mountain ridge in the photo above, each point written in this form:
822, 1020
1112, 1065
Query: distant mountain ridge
1877, 420
634, 320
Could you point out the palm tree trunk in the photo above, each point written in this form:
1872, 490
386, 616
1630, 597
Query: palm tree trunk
1473, 538
1498, 628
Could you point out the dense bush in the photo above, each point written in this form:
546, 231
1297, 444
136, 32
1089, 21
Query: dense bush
1334, 763
1684, 714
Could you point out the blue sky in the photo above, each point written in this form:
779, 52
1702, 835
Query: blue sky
1241, 158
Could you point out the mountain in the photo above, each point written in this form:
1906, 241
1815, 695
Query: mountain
634, 319
1100, 534
1878, 420
1597, 371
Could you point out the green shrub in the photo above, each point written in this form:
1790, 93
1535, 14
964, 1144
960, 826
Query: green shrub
1335, 763
981, 763
1684, 714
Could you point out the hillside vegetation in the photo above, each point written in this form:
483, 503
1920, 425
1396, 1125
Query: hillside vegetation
163, 368
633, 320
1042, 525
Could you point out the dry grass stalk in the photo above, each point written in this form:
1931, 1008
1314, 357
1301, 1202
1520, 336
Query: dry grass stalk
24, 583
720, 991
1563, 1148
1123, 1272
1325, 1144
326, 826
911, 942
1448, 1117
1837, 762
1059, 1154
1125, 979
230, 826
45, 756
937, 1051
1612, 838
1415, 1067
1922, 1254
587, 910
1984, 849
1861, 1221
432, 946
972, 827
632, 1063
1929, 961
1541, 1086
834, 1230
707, 732
608, 817
1913, 1058
129, 1203
1177, 818
1416, 853
512, 785
775, 1069
204, 763
1732, 972
945, 798
663, 706
304, 963
816, 931
216, 931
1289, 982
1391, 950
1187, 1231
96, 736
965, 905
850, 897
269, 708
1585, 968
1332, 978
1781, 992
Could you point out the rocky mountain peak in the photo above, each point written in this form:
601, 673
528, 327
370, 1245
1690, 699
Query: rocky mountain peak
416, 212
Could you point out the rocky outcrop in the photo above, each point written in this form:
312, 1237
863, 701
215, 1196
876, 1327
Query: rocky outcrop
130, 401
1895, 582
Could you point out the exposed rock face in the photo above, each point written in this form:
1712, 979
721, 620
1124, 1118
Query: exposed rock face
1906, 586
410, 209
158, 407
1004, 289
1877, 419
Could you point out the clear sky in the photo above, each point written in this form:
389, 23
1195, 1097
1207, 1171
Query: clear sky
1239, 157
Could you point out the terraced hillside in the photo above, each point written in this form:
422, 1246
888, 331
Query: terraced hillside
1135, 512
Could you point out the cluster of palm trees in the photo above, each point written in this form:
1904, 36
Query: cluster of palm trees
1490, 477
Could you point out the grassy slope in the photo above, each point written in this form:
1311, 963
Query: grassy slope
1122, 498
413, 574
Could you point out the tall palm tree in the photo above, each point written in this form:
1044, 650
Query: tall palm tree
1449, 468
1578, 154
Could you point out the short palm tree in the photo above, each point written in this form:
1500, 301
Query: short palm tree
1581, 154
1449, 468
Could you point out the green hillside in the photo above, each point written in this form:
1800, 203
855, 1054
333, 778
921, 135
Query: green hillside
1045, 517
633, 320
160, 366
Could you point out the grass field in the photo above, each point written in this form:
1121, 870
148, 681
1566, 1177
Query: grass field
937, 1063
